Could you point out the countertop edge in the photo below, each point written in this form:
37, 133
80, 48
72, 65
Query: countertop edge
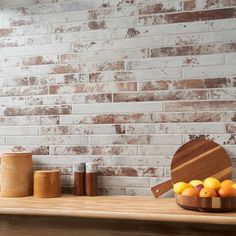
198, 219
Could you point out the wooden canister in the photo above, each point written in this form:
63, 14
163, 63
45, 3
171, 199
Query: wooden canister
16, 174
47, 183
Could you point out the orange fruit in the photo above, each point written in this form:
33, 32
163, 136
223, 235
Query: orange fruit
207, 192
227, 191
191, 192
227, 182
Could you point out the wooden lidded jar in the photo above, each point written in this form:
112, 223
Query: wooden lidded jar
47, 183
16, 174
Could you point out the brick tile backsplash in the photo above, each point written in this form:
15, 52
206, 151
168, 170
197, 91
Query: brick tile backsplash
120, 82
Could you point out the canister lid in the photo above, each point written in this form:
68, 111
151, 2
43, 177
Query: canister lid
79, 167
16, 154
91, 167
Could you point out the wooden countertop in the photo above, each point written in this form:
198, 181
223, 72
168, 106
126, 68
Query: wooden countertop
111, 207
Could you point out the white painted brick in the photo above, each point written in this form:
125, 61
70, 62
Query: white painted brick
172, 128
47, 140
209, 71
111, 191
230, 58
118, 107
153, 150
72, 159
35, 50
201, 5
179, 61
84, 26
230, 149
39, 40
93, 150
141, 160
75, 6
204, 60
1, 22
141, 75
155, 63
118, 44
12, 101
37, 29
179, 28
222, 24
2, 140
19, 121
83, 36
6, 3
81, 129
25, 131
61, 17
123, 181
223, 94
2, 82
107, 55
11, 62
221, 139
135, 139
200, 38
138, 192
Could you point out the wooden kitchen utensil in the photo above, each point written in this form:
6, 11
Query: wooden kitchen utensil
16, 174
214, 204
47, 183
197, 159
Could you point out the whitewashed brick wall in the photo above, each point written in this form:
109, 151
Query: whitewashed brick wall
120, 82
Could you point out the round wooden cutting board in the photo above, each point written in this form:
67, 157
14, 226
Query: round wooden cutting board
197, 159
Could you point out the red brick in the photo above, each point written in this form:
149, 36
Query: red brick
189, 16
43, 110
186, 84
193, 50
160, 96
131, 171
40, 150
231, 128
201, 105
156, 8
6, 32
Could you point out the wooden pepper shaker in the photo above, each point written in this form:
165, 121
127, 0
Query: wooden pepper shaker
91, 179
79, 179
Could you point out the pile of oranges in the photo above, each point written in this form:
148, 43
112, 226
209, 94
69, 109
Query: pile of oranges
210, 187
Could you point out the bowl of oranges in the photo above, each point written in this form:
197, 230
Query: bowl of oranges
206, 195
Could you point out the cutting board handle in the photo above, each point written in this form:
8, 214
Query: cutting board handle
159, 189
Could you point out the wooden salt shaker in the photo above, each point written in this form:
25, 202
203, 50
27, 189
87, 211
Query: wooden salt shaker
16, 174
91, 179
47, 183
79, 179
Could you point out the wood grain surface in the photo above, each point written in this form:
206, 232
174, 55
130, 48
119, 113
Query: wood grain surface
16, 174
111, 207
197, 159
47, 183
215, 204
